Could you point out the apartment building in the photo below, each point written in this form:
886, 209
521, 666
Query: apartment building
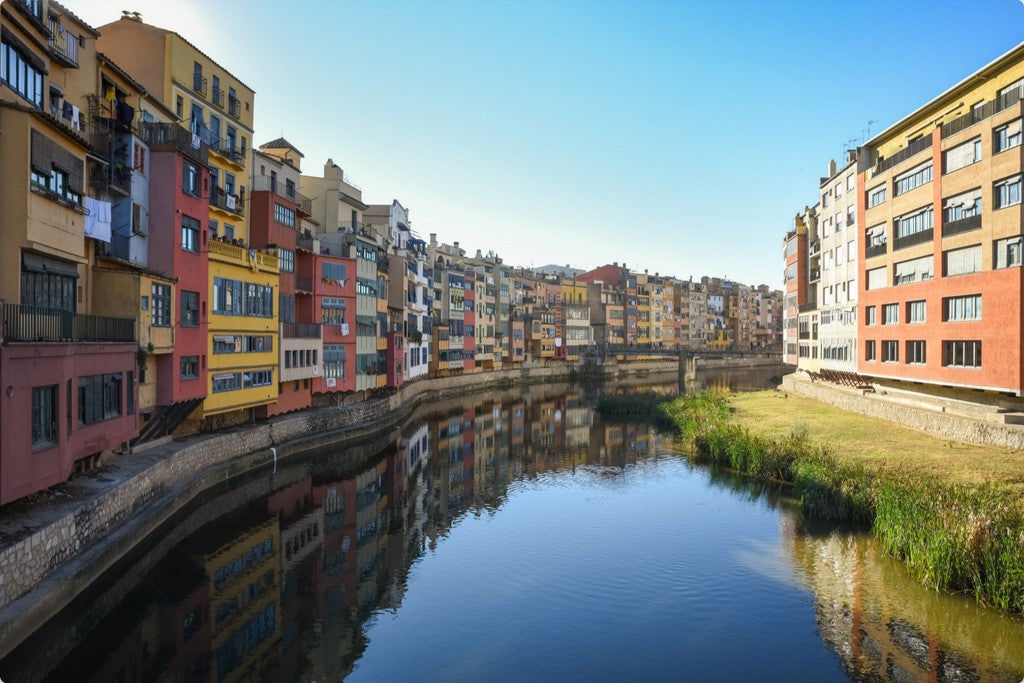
68, 376
242, 335
795, 276
939, 198
276, 211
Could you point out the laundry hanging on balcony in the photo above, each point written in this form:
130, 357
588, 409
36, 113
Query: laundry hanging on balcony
97, 219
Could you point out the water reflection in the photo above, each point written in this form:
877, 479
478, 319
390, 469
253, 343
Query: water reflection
287, 585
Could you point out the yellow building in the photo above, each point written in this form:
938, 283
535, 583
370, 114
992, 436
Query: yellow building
242, 284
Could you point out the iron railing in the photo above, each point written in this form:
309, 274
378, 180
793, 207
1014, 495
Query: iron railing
913, 149
303, 283
983, 112
172, 136
234, 107
36, 323
63, 43
199, 84
228, 202
265, 183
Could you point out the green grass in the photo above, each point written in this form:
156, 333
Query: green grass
954, 529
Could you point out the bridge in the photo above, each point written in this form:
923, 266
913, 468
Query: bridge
600, 353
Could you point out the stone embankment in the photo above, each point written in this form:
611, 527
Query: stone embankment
942, 418
54, 544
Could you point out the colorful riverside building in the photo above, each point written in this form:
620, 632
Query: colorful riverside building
68, 389
242, 338
795, 276
939, 199
276, 211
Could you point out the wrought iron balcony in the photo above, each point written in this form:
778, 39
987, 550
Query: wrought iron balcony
911, 150
227, 202
168, 136
218, 96
265, 183
235, 107
36, 324
199, 84
304, 283
63, 44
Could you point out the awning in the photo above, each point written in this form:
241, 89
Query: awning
37, 263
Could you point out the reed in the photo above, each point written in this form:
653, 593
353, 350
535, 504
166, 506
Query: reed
951, 536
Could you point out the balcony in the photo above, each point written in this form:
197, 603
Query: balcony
229, 203
163, 137
875, 250
815, 249
199, 84
235, 107
911, 150
218, 96
264, 183
962, 225
36, 324
305, 204
304, 283
63, 45
915, 238
300, 330
983, 112
815, 274
237, 254
225, 147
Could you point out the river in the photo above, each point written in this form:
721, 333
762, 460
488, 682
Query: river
510, 537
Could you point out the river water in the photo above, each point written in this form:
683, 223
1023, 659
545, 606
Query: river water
511, 537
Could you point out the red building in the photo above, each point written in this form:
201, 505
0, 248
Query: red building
395, 358
327, 295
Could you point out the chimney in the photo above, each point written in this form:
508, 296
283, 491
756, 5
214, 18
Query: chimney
456, 245
615, 263
131, 16
831, 167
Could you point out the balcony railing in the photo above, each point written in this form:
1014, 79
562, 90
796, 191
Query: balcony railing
166, 136
915, 238
300, 330
962, 225
35, 323
199, 84
218, 96
305, 204
815, 274
303, 283
815, 248
981, 113
63, 44
875, 250
235, 107
228, 202
913, 149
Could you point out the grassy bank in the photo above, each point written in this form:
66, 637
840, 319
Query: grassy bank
952, 512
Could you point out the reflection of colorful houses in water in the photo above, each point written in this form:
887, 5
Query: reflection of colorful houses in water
885, 625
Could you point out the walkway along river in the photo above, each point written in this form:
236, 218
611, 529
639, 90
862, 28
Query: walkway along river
504, 536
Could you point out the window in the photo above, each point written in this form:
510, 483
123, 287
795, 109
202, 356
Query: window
962, 261
870, 316
1007, 192
229, 232
790, 272
916, 312
139, 158
229, 381
190, 178
286, 260
197, 76
189, 367
259, 300
130, 393
161, 298
258, 378
259, 343
286, 307
333, 310
851, 183
838, 192
915, 222
179, 106
211, 227
99, 398
916, 177
334, 360
914, 270
289, 189
876, 278
230, 139
851, 251
189, 309
962, 155
961, 354
227, 296
851, 214
890, 314
366, 287
960, 308
869, 350
190, 234
56, 184
915, 352
22, 72
876, 196
229, 183
962, 206
48, 282
44, 416
1008, 252
334, 272
284, 215
1008, 136
890, 351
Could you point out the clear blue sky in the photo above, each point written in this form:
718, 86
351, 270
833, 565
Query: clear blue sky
680, 137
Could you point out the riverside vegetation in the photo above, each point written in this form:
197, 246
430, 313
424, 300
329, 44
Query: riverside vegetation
953, 513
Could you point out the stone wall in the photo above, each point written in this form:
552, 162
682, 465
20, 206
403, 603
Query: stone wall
935, 422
